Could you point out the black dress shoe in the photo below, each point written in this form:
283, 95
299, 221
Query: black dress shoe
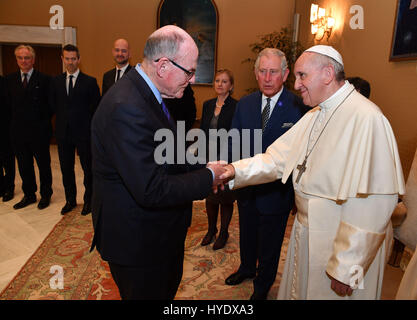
86, 209
7, 196
258, 296
68, 207
221, 240
26, 200
44, 202
238, 277
208, 238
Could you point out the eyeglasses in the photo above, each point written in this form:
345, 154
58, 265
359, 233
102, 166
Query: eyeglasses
189, 73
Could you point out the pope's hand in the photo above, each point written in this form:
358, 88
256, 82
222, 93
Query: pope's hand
229, 173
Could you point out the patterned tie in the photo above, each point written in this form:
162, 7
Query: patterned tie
265, 114
70, 85
25, 80
118, 75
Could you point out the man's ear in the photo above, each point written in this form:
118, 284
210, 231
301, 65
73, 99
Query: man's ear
162, 67
286, 73
328, 74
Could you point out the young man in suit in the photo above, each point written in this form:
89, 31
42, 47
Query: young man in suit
30, 127
7, 162
142, 208
121, 55
264, 209
74, 97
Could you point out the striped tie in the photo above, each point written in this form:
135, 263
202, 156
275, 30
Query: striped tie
265, 114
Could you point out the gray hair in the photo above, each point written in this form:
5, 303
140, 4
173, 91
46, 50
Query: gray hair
163, 43
27, 47
272, 51
339, 70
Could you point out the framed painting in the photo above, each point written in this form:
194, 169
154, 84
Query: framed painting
200, 19
404, 38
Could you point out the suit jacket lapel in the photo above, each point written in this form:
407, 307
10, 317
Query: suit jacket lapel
147, 93
78, 82
113, 76
63, 85
256, 112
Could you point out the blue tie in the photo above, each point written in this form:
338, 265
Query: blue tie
165, 109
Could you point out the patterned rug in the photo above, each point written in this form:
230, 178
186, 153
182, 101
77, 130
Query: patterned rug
64, 255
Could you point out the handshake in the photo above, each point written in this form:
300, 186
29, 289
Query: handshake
223, 173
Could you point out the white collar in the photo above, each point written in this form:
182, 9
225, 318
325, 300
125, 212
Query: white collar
274, 98
123, 68
337, 97
74, 75
29, 73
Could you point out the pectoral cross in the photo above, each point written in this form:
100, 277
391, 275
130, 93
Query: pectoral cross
301, 168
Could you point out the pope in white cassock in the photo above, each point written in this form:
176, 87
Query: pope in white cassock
347, 176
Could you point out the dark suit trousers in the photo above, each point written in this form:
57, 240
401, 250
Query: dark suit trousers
7, 170
25, 151
260, 240
158, 282
66, 152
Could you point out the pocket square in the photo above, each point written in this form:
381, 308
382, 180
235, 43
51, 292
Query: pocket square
287, 125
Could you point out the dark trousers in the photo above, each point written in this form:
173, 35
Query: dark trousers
7, 170
260, 241
66, 152
25, 152
159, 282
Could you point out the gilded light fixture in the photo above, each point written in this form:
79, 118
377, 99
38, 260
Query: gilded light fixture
321, 24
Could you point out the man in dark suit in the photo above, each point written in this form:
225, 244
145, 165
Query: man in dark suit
142, 206
74, 98
7, 162
121, 55
183, 109
264, 209
30, 127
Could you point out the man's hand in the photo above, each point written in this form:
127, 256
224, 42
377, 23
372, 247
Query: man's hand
340, 288
229, 173
218, 168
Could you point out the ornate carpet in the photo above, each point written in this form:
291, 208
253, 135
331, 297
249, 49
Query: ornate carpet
86, 277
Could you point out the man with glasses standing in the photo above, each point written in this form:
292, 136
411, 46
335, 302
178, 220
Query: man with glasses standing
142, 209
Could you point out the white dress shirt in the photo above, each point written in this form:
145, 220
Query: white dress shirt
74, 79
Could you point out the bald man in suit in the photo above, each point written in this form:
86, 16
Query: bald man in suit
121, 55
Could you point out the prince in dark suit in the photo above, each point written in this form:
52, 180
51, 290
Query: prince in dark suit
74, 97
141, 205
121, 55
30, 127
264, 209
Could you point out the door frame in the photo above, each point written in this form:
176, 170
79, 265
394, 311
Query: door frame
37, 35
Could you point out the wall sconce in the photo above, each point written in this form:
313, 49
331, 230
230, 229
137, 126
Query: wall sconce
320, 23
